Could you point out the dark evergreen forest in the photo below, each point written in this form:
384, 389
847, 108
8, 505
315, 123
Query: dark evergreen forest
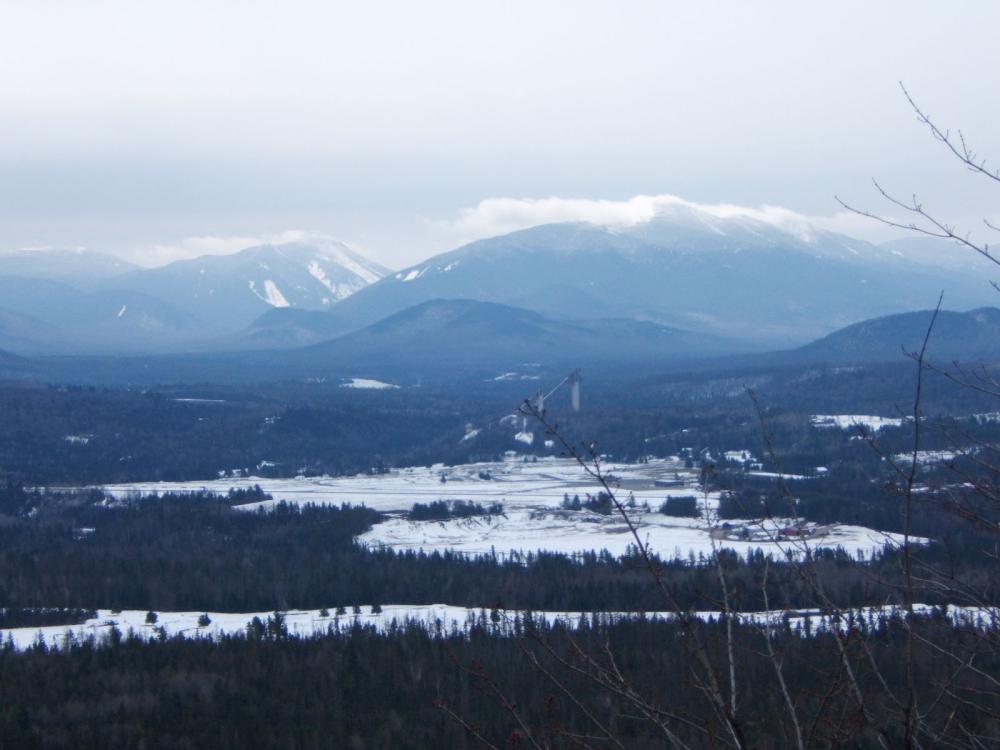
267, 690
66, 550
198, 552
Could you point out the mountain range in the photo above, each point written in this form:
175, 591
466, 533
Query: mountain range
736, 278
450, 341
227, 292
55, 301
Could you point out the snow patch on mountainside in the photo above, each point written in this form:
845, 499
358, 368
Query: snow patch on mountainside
412, 275
317, 272
339, 291
272, 295
346, 261
368, 384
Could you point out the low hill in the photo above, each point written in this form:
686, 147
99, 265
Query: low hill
468, 335
965, 336
287, 328
439, 340
43, 316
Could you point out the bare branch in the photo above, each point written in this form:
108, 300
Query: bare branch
960, 148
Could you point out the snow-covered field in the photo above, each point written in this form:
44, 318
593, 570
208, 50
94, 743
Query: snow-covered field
870, 422
515, 482
531, 493
298, 622
928, 457
573, 532
435, 618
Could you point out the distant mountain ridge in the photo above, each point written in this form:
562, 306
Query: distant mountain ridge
229, 291
472, 335
731, 277
6, 358
15, 367
287, 327
454, 340
43, 316
440, 340
56, 301
724, 274
964, 336
77, 267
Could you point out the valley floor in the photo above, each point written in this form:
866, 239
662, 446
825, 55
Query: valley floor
532, 493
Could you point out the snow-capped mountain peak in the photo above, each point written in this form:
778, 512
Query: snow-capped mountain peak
770, 278
333, 264
310, 272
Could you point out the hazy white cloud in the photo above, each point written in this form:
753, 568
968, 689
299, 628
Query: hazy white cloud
193, 247
45, 248
855, 225
496, 216
313, 77
127, 122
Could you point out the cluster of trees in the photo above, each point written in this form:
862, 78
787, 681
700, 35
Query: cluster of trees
442, 510
412, 689
76, 435
846, 495
681, 506
600, 503
63, 435
38, 617
196, 552
246, 495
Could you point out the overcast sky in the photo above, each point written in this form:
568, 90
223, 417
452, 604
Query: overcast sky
157, 130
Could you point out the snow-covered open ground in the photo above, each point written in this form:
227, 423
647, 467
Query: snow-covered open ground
572, 532
434, 617
298, 622
870, 422
531, 493
514, 482
929, 457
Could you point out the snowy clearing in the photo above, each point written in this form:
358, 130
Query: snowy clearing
436, 618
776, 475
533, 519
927, 458
852, 421
574, 532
